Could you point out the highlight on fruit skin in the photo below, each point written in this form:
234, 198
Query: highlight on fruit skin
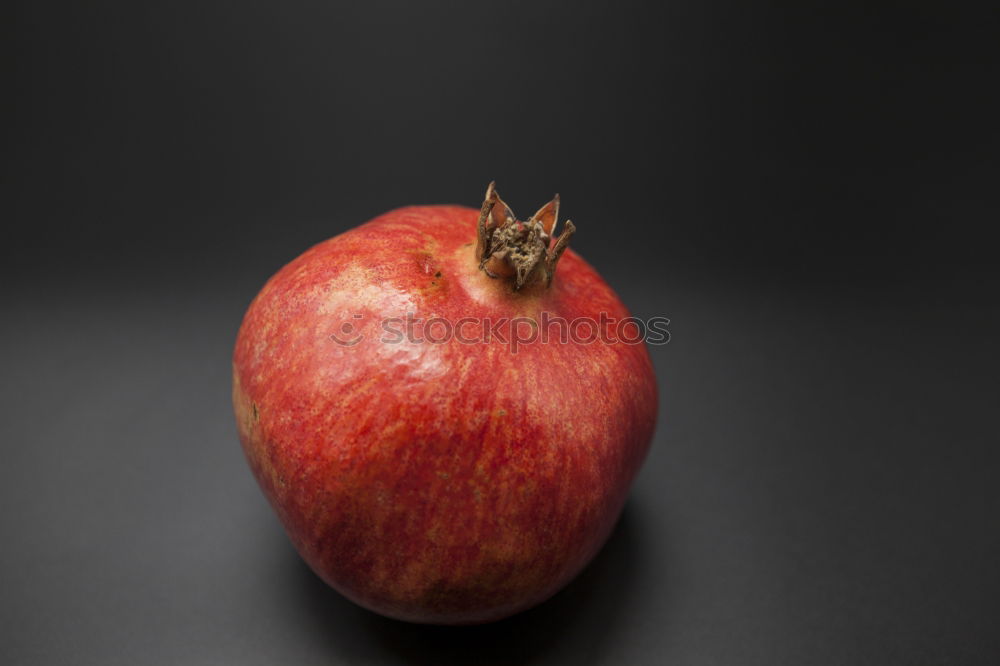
447, 482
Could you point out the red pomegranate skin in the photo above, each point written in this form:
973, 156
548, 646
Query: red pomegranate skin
441, 483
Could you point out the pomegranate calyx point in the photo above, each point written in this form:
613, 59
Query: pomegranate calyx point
510, 249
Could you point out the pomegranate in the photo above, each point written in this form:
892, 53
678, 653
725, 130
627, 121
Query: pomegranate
434, 407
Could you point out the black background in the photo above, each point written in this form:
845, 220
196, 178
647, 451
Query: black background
806, 191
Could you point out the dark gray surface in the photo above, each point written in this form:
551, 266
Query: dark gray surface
807, 191
821, 490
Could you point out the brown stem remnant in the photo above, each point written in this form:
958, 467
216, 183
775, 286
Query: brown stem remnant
508, 248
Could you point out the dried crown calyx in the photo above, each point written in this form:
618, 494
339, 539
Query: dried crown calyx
508, 248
